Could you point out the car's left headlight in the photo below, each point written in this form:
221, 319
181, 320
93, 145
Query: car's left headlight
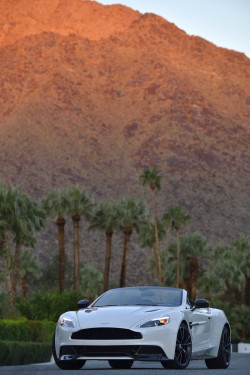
65, 321
155, 322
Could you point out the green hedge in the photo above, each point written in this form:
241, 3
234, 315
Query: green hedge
49, 305
26, 330
25, 341
20, 353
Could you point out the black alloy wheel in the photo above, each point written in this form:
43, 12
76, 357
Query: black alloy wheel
183, 350
224, 353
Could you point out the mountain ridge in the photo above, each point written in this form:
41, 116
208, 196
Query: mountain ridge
96, 111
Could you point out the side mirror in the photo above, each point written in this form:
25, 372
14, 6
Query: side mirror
83, 304
200, 303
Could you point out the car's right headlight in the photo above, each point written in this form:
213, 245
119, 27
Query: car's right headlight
155, 322
65, 321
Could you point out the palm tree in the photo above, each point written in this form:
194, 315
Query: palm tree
4, 215
230, 270
147, 239
152, 178
91, 281
194, 246
105, 218
3, 227
25, 216
176, 218
28, 267
55, 205
132, 214
79, 203
241, 248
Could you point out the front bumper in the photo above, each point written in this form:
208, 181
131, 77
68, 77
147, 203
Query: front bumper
135, 352
155, 344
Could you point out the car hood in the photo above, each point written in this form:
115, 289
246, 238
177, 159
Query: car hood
119, 316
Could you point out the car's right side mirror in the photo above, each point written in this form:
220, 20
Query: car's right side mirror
200, 303
83, 304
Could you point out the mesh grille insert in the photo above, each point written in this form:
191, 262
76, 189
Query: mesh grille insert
106, 334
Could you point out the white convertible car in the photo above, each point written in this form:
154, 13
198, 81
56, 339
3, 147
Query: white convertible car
144, 323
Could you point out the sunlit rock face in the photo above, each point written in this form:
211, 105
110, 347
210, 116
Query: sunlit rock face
91, 94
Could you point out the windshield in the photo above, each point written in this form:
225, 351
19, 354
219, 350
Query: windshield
148, 296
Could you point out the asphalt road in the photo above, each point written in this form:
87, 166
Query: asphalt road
240, 365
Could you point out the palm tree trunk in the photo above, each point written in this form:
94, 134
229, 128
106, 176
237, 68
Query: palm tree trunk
24, 287
247, 293
109, 235
157, 243
178, 259
1, 245
158, 256
8, 264
194, 271
76, 220
61, 246
124, 260
14, 274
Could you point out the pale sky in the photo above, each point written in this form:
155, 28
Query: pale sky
225, 23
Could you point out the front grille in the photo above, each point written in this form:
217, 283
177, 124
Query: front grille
143, 352
106, 334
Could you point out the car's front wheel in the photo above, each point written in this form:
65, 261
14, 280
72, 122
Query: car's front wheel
121, 364
183, 350
224, 353
66, 365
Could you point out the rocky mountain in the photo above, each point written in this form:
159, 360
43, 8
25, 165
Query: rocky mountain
92, 94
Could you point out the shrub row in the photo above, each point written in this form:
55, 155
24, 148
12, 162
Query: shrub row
25, 341
26, 330
49, 305
20, 353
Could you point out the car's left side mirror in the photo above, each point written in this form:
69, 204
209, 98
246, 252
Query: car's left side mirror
200, 303
83, 304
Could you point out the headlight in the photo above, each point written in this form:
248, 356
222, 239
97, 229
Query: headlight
66, 322
155, 322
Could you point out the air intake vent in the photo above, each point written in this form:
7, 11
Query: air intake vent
106, 334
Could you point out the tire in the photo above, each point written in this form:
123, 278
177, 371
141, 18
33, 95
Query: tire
66, 365
224, 353
183, 350
121, 364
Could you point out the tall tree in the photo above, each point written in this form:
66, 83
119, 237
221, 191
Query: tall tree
195, 248
195, 252
152, 178
55, 205
147, 239
241, 249
230, 269
25, 217
79, 203
28, 268
177, 217
132, 214
91, 281
105, 218
4, 215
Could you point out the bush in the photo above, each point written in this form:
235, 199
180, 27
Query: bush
240, 323
26, 330
48, 306
25, 341
20, 353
